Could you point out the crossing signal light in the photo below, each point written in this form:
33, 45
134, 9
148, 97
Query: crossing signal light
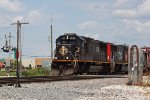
5, 49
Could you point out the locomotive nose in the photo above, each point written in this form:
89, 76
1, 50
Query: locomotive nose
63, 50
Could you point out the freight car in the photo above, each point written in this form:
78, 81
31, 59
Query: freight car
76, 54
146, 51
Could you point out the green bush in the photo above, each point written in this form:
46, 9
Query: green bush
35, 72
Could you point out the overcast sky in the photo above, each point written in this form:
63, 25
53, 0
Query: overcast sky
116, 21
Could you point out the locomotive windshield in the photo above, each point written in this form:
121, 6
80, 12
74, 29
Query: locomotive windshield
67, 40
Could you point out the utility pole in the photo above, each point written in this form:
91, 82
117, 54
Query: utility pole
18, 67
20, 45
51, 38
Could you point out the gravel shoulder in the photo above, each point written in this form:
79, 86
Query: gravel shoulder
96, 89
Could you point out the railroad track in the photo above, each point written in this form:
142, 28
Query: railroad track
12, 80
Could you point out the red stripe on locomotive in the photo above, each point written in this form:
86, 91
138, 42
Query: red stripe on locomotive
108, 51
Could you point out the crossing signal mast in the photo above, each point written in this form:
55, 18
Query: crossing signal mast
6, 41
7, 47
10, 46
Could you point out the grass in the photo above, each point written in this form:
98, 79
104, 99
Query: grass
28, 72
3, 73
35, 72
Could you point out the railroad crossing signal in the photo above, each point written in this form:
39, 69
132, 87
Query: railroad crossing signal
5, 49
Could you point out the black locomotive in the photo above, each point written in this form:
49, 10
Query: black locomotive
78, 54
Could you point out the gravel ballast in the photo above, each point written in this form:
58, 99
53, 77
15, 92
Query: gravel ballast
94, 89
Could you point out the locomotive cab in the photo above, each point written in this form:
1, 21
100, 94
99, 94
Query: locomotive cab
66, 47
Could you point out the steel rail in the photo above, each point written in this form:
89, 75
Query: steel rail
12, 80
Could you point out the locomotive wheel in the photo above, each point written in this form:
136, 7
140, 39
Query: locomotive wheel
69, 71
54, 72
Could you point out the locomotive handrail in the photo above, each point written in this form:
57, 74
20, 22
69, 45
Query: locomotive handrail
72, 55
75, 59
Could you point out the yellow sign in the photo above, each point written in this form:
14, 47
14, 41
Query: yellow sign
63, 50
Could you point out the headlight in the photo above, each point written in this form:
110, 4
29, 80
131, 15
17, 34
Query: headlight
67, 57
55, 57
